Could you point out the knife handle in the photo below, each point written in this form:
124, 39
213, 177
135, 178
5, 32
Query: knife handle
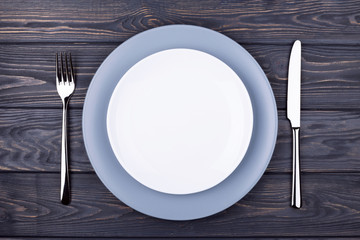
296, 188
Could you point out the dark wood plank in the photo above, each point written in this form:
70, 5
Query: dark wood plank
261, 21
27, 76
30, 141
329, 142
330, 76
29, 206
184, 238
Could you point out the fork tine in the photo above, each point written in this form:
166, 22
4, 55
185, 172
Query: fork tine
66, 73
72, 78
63, 77
57, 68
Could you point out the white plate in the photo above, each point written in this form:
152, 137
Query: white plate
180, 121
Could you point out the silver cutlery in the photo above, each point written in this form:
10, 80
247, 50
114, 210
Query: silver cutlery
293, 114
65, 85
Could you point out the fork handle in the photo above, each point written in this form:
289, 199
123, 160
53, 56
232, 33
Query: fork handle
65, 182
296, 188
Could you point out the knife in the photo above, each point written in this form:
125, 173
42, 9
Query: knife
293, 114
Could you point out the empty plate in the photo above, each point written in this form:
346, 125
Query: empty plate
180, 121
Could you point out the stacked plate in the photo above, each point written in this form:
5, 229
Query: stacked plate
179, 122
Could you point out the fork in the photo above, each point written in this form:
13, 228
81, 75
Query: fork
65, 85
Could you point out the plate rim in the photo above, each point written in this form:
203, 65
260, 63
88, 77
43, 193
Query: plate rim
187, 215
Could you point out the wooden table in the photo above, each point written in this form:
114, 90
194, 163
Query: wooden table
30, 116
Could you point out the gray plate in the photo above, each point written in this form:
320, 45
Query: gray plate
190, 206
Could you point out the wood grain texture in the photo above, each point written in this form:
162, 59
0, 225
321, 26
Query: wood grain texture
29, 206
185, 238
30, 117
30, 141
328, 142
330, 74
27, 76
260, 21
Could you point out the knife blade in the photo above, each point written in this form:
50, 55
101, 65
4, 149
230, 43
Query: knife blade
293, 114
294, 85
